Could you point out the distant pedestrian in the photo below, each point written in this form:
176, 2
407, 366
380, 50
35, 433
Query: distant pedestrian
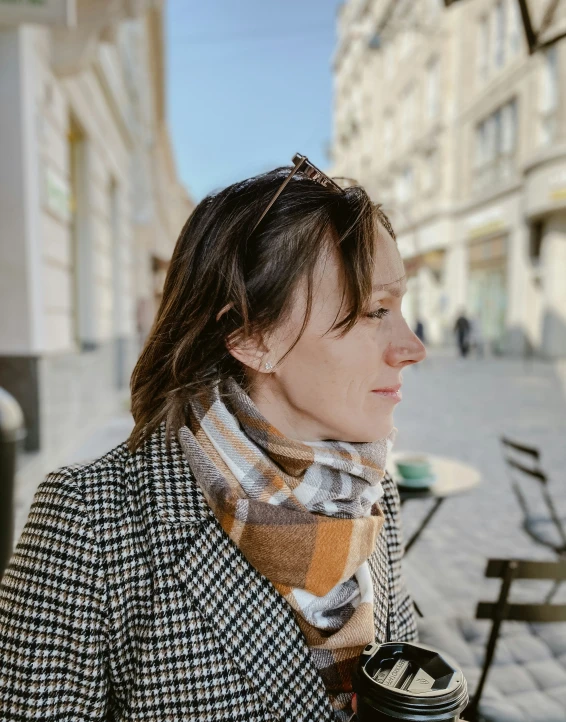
462, 331
419, 330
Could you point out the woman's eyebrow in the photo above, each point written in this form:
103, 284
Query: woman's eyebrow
394, 289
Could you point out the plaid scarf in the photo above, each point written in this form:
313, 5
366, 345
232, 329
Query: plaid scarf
304, 514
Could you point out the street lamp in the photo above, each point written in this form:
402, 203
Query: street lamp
534, 37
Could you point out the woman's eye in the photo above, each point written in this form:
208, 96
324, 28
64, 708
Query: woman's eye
380, 313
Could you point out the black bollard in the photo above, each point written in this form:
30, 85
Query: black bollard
12, 431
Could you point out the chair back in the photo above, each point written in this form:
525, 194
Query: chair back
509, 571
522, 462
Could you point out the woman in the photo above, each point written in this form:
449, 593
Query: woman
232, 560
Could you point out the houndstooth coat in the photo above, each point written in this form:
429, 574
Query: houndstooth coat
125, 600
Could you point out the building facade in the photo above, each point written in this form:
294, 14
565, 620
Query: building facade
90, 207
448, 121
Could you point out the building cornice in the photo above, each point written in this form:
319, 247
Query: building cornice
545, 156
490, 96
490, 196
73, 49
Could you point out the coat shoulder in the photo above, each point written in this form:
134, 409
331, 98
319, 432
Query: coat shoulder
103, 482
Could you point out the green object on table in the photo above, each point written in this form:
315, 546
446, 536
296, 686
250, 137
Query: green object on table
417, 467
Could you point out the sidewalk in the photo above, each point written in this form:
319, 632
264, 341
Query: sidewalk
33, 467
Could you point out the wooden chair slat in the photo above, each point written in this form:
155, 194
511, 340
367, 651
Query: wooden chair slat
553, 570
524, 612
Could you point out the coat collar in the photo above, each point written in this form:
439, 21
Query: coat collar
232, 596
169, 483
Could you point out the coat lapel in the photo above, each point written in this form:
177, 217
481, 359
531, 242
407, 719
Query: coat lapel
382, 573
255, 624
378, 566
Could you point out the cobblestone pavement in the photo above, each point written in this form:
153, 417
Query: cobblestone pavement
459, 408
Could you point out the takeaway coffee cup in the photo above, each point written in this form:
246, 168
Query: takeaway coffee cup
402, 682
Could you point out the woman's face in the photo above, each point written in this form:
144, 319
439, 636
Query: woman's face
332, 387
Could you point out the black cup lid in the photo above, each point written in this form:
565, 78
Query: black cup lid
410, 682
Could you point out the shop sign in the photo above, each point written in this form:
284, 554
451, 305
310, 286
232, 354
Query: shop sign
558, 187
43, 12
487, 229
485, 223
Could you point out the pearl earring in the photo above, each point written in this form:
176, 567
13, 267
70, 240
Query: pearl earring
268, 366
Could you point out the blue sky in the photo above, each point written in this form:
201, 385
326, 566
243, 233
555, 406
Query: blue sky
249, 84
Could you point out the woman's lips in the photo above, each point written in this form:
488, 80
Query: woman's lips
392, 392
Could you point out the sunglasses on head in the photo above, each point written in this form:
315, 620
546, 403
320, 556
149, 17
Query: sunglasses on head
303, 164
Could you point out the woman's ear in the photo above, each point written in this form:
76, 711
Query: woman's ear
251, 352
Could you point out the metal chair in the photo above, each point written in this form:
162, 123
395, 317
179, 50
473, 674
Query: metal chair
510, 570
524, 462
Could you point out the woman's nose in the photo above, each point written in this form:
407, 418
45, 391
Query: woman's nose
406, 349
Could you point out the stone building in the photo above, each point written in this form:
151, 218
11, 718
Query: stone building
90, 206
449, 121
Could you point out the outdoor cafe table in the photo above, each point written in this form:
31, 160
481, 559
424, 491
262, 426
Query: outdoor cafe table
453, 478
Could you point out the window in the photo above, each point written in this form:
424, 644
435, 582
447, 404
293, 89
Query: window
433, 88
388, 135
405, 185
481, 144
430, 178
483, 48
496, 143
515, 28
388, 60
354, 128
535, 241
412, 112
497, 132
549, 96
486, 141
407, 113
509, 128
500, 33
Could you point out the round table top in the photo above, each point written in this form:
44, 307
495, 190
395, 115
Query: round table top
452, 476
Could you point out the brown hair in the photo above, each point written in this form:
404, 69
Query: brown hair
218, 261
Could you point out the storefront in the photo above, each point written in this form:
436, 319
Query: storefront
487, 289
425, 286
545, 209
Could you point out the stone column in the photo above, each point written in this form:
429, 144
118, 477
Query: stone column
519, 291
21, 320
455, 293
553, 252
